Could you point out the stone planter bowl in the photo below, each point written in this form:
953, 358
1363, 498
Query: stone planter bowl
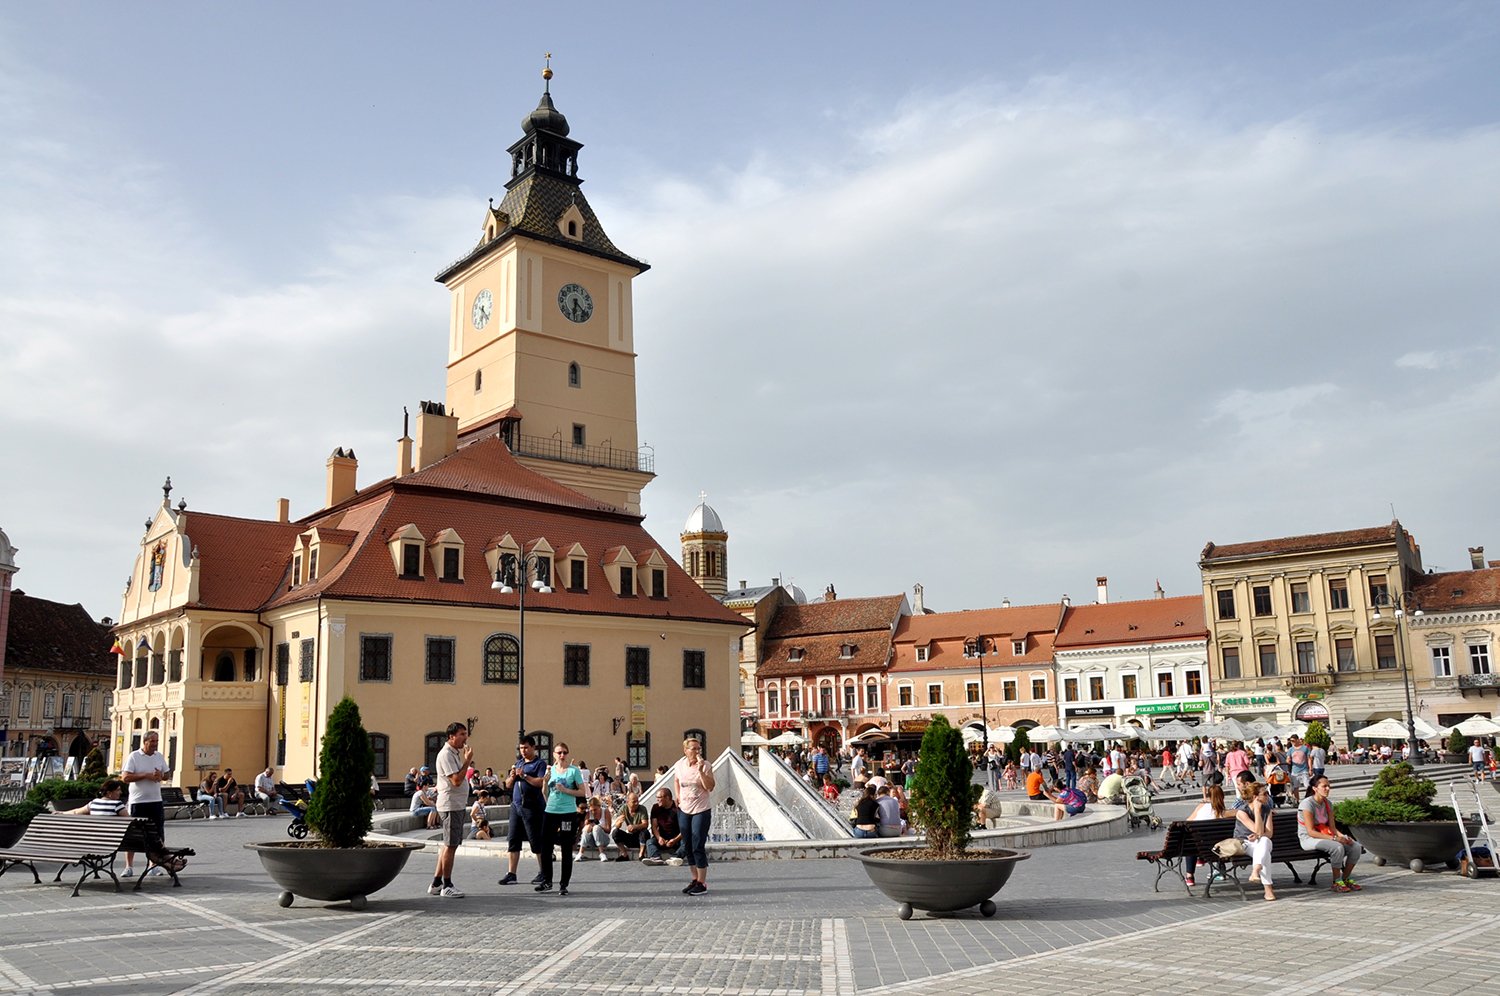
331, 874
941, 886
1415, 845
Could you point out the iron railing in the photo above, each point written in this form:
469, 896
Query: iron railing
563, 451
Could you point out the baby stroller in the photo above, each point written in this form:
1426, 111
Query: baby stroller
1138, 811
297, 829
1279, 784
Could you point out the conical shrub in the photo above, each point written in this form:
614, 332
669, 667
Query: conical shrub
341, 811
943, 792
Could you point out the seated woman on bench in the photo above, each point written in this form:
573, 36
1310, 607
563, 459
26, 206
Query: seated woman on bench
1252, 815
109, 803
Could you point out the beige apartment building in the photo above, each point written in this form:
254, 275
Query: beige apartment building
239, 635
1293, 628
1453, 641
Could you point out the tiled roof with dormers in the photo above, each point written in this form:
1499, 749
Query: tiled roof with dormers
1455, 591
52, 636
337, 537
487, 468
242, 562
1301, 544
1151, 620
944, 634
824, 654
846, 615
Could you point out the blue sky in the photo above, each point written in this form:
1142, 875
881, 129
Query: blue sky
995, 299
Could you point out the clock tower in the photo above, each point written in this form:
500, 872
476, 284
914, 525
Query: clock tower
541, 346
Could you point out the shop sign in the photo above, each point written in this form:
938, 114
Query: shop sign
1309, 711
1090, 711
912, 726
1248, 700
1309, 696
1158, 708
1201, 705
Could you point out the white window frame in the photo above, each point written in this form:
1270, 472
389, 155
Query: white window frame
939, 686
921, 655
1442, 661
1479, 658
1018, 648
773, 700
872, 697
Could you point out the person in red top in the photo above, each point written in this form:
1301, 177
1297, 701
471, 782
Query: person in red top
830, 790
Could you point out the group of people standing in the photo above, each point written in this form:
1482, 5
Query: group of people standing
545, 812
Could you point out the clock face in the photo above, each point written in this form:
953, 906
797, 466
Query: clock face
483, 305
575, 304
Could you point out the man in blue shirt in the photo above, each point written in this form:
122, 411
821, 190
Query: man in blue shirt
524, 780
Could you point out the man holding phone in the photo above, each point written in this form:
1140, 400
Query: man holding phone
452, 800
524, 782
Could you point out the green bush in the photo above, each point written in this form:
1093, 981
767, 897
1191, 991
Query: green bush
341, 811
1352, 812
93, 767
1457, 743
1398, 783
943, 792
1397, 795
1317, 735
1015, 747
52, 789
20, 812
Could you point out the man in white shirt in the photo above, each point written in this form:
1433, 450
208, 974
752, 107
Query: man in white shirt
1476, 758
145, 769
452, 800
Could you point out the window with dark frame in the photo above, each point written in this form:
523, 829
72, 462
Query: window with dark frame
1070, 689
1231, 659
1479, 658
248, 662
658, 583
934, 694
1261, 596
577, 434
1343, 650
575, 664
627, 582
1128, 686
1267, 653
904, 695
1038, 689
1338, 593
1164, 684
1380, 592
971, 692
1307, 657
1096, 687
1385, 652
502, 660
694, 669
305, 660
1193, 682
380, 745
1301, 599
1009, 691
283, 663
441, 651
575, 575
1225, 597
375, 657
450, 563
638, 752
543, 571
574, 374
411, 560
312, 564
638, 666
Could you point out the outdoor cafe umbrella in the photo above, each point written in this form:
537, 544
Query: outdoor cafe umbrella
1296, 727
1046, 735
753, 739
1395, 729
1478, 726
1229, 729
787, 739
868, 736
1174, 730
1084, 734
1263, 728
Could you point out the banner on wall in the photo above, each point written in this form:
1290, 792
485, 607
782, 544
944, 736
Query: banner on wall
637, 713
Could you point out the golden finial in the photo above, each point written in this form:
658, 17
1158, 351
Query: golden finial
547, 73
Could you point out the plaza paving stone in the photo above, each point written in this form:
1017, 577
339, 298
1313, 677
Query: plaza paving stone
1075, 918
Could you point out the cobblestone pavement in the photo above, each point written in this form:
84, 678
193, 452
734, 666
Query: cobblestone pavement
1078, 918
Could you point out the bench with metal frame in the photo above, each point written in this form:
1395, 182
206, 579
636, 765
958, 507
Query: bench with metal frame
1286, 849
179, 806
87, 842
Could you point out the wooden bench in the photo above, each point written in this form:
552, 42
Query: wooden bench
1169, 858
179, 806
88, 842
392, 792
1286, 849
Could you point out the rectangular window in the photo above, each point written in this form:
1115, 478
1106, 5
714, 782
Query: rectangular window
1096, 687
575, 575
1442, 662
283, 663
1385, 653
305, 660
1194, 682
904, 695
638, 667
794, 698
575, 664
1479, 657
1267, 652
921, 655
380, 746
1128, 686
1380, 592
411, 560
1338, 593
658, 583
638, 753
23, 705
1009, 690
1231, 659
440, 653
1261, 596
1225, 598
312, 564
851, 698
1301, 599
578, 438
450, 563
542, 571
49, 705
1343, 650
695, 669
296, 570
1018, 648
627, 581
971, 692
1070, 689
773, 701
1038, 689
1307, 657
375, 658
934, 694
1164, 684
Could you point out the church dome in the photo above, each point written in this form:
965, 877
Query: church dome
703, 519
798, 595
545, 118
8, 552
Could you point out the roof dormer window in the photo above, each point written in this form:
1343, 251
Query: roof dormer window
1018, 647
922, 655
846, 651
794, 655
411, 560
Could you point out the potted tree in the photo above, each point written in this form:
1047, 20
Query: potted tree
1397, 822
14, 817
1317, 735
1458, 749
337, 863
945, 874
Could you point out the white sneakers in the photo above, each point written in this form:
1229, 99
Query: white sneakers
434, 889
675, 862
128, 873
603, 856
451, 892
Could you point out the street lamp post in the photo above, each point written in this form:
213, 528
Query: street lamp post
1400, 604
507, 582
978, 647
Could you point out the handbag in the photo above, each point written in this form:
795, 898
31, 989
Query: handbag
1230, 847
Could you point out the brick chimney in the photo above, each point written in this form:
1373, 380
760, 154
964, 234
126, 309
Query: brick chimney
1476, 556
830, 595
342, 467
437, 434
917, 608
283, 510
1103, 585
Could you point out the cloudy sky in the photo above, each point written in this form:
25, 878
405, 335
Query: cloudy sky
995, 300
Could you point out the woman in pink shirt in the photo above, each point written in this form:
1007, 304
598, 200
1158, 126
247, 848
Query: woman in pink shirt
695, 781
1235, 761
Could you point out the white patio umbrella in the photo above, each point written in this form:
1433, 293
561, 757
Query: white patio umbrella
1229, 729
1097, 732
753, 739
1395, 729
1478, 726
1046, 735
1262, 728
1174, 730
868, 736
1295, 726
787, 739
997, 735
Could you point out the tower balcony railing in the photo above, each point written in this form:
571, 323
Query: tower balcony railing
603, 455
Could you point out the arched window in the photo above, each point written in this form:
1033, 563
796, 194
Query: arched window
575, 375
431, 744
381, 745
124, 674
502, 659
224, 666
141, 663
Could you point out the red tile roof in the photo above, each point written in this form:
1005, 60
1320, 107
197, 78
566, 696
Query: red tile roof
1302, 544
487, 468
846, 615
823, 654
944, 633
242, 561
56, 637
1455, 590
1150, 620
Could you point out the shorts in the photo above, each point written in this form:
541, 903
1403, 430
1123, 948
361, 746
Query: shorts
453, 827
1072, 810
525, 825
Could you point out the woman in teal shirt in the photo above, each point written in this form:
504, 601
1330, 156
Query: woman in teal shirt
564, 787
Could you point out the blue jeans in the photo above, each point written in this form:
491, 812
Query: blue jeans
1072, 777
654, 850
695, 835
